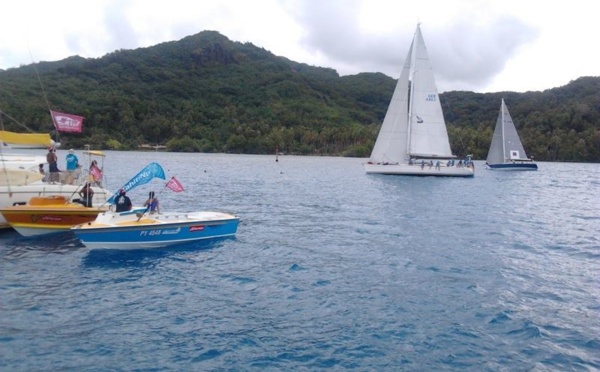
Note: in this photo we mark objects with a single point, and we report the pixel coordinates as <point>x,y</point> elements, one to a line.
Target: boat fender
<point>19,203</point>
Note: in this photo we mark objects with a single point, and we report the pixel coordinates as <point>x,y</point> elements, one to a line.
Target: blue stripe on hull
<point>513,166</point>
<point>154,236</point>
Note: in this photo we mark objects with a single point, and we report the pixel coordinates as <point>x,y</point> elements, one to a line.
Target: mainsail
<point>414,122</point>
<point>427,128</point>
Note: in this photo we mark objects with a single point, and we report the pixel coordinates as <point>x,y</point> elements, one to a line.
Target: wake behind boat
<point>136,230</point>
<point>506,150</point>
<point>414,132</point>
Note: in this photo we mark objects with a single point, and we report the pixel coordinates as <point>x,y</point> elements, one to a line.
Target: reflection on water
<point>117,258</point>
<point>17,246</point>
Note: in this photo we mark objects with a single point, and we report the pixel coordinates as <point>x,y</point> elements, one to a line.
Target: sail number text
<point>430,97</point>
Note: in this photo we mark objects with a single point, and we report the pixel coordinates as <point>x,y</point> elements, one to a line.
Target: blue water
<point>331,269</point>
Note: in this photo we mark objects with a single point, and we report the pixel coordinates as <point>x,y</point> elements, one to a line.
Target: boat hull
<point>132,230</point>
<point>513,167</point>
<point>47,215</point>
<point>417,170</point>
<point>11,196</point>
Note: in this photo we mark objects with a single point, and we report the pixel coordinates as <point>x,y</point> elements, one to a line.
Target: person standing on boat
<point>95,174</point>
<point>152,203</point>
<point>87,195</point>
<point>123,202</point>
<point>72,166</point>
<point>52,160</point>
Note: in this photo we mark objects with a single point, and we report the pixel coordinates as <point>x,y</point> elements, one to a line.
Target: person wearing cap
<point>123,202</point>
<point>72,166</point>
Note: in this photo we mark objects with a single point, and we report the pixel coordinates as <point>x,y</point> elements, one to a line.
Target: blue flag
<point>152,170</point>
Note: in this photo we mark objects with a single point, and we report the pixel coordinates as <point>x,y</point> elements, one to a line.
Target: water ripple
<point>331,269</point>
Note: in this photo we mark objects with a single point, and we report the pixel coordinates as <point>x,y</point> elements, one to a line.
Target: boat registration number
<point>150,232</point>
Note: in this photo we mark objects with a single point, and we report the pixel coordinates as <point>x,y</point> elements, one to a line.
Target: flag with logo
<point>152,170</point>
<point>174,185</point>
<point>67,122</point>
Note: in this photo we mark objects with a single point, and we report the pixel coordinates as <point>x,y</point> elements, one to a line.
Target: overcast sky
<point>475,45</point>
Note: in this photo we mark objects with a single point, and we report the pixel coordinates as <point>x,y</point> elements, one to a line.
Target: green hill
<point>206,93</point>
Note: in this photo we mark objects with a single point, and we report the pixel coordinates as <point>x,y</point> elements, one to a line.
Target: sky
<point>474,45</point>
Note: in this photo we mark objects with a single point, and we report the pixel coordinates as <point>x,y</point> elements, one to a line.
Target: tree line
<point>205,93</point>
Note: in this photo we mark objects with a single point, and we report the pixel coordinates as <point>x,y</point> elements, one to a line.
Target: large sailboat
<point>413,139</point>
<point>506,151</point>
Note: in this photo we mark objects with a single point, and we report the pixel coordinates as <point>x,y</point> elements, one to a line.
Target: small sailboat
<point>506,150</point>
<point>413,139</point>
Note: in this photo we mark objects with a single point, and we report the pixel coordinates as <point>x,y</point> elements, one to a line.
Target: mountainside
<point>208,93</point>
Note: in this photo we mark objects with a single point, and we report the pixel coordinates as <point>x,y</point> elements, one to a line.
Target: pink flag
<point>67,122</point>
<point>174,185</point>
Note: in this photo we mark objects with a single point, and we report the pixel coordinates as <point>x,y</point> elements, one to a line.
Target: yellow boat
<point>48,214</point>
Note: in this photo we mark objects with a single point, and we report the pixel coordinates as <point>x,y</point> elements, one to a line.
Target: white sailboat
<point>506,150</point>
<point>413,139</point>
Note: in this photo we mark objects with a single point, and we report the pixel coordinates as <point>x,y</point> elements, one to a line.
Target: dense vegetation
<point>205,93</point>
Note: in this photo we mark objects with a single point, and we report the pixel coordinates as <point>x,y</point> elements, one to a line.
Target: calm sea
<point>331,269</point>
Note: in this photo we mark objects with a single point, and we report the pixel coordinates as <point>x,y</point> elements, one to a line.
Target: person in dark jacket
<point>123,202</point>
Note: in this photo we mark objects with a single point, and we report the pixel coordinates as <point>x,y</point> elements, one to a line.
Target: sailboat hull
<point>416,170</point>
<point>513,167</point>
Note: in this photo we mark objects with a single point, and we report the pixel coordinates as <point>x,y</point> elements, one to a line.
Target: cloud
<point>469,56</point>
<point>467,52</point>
<point>474,45</point>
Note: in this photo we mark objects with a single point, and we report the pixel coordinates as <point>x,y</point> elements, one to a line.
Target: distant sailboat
<point>506,151</point>
<point>413,139</point>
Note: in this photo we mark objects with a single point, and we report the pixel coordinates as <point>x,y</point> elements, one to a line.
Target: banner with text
<point>67,122</point>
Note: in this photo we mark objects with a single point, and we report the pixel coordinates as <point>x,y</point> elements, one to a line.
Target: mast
<point>410,109</point>
<point>502,128</point>
<point>411,83</point>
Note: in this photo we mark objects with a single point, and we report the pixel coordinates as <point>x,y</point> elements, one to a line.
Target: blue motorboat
<point>136,229</point>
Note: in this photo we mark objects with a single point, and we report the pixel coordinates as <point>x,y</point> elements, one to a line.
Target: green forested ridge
<point>205,93</point>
